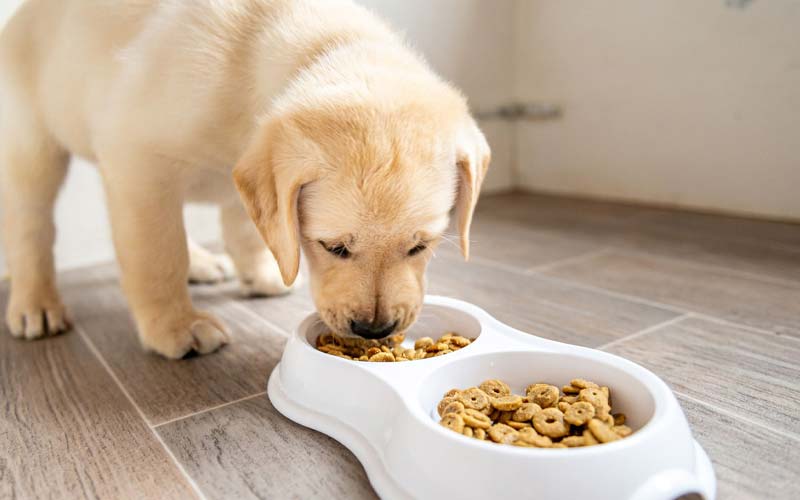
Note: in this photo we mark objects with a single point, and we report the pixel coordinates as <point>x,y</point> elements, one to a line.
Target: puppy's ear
<point>472,160</point>
<point>269,176</point>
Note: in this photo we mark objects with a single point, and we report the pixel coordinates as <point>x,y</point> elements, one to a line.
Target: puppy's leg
<point>257,269</point>
<point>145,203</point>
<point>33,168</point>
<point>208,267</point>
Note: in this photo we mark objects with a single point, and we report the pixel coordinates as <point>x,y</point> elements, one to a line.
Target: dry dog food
<point>543,418</point>
<point>390,348</point>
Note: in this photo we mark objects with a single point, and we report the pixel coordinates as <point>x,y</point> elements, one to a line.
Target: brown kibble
<point>507,403</point>
<point>446,401</point>
<point>582,384</point>
<point>454,422</point>
<point>492,412</point>
<point>423,342</point>
<point>622,430</point>
<point>517,425</point>
<point>452,393</point>
<point>452,407</point>
<point>573,441</point>
<point>495,388</point>
<point>441,346</point>
<point>530,436</point>
<point>525,412</point>
<point>474,398</point>
<point>602,431</point>
<point>568,389</point>
<point>544,395</point>
<point>579,413</point>
<point>550,422</point>
<point>373,351</point>
<point>474,418</point>
<point>382,357</point>
<point>501,433</point>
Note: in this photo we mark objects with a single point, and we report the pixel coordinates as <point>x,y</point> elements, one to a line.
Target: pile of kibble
<point>390,348</point>
<point>543,418</point>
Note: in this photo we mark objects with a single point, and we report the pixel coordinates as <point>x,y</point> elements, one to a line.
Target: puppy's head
<point>366,191</point>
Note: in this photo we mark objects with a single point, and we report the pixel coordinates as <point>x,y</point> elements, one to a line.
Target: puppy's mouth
<point>342,325</point>
<point>372,332</point>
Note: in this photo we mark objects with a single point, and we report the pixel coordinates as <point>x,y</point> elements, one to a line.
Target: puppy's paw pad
<point>210,268</point>
<point>201,335</point>
<point>33,321</point>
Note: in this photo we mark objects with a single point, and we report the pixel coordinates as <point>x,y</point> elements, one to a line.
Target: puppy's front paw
<point>207,267</point>
<point>200,332</point>
<point>266,281</point>
<point>36,314</point>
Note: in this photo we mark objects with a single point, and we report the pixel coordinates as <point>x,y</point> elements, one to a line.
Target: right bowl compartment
<point>660,447</point>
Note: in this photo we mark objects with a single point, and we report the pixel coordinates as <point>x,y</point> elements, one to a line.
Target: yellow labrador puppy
<point>339,139</point>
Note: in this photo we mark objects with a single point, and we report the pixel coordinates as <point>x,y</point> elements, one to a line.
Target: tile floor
<point>710,303</point>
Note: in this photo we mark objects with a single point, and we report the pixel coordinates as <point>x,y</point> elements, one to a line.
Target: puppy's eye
<point>338,250</point>
<point>417,249</point>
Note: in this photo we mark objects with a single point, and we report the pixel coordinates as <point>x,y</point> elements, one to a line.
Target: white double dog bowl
<point>385,413</point>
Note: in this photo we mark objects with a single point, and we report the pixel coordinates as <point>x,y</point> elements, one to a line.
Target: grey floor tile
<point>249,450</point>
<point>519,245</point>
<point>67,430</point>
<point>751,374</point>
<point>749,301</point>
<point>166,389</point>
<point>751,463</point>
<point>543,307</point>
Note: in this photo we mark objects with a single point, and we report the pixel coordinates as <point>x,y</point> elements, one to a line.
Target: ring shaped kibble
<point>581,417</point>
<point>495,388</point>
<point>530,436</point>
<point>445,402</point>
<point>507,403</point>
<point>525,412</point>
<point>476,419</point>
<point>453,407</point>
<point>550,422</point>
<point>544,395</point>
<point>501,433</point>
<point>474,398</point>
<point>454,422</point>
<point>579,413</point>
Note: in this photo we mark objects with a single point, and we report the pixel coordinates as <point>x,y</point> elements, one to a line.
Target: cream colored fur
<point>339,136</point>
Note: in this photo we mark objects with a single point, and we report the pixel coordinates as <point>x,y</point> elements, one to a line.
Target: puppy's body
<point>167,96</point>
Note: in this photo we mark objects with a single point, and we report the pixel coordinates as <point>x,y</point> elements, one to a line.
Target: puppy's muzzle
<point>372,331</point>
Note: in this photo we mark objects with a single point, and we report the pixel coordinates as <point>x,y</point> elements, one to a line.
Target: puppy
<point>339,139</point>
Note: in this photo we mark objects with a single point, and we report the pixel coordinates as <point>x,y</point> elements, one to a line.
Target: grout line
<point>733,324</point>
<point>205,410</point>
<point>611,293</point>
<point>566,261</point>
<point>181,469</point>
<point>623,296</point>
<point>647,330</point>
<point>701,265</point>
<point>736,416</point>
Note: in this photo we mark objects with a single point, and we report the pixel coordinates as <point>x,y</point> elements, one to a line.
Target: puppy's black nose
<point>370,331</point>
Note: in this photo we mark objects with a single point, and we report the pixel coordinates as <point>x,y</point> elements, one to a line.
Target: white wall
<point>468,41</point>
<point>690,103</point>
